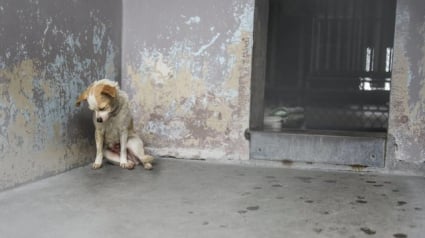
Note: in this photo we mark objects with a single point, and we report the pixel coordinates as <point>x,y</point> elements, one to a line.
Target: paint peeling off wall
<point>188,75</point>
<point>406,150</point>
<point>51,50</point>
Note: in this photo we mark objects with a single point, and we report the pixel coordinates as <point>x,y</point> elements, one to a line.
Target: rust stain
<point>20,78</point>
<point>39,78</point>
<point>406,123</point>
<point>358,167</point>
<point>176,105</point>
<point>33,138</point>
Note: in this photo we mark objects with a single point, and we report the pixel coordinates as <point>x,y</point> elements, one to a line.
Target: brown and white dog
<point>116,139</point>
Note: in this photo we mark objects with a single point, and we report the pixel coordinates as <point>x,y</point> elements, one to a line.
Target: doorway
<point>321,80</point>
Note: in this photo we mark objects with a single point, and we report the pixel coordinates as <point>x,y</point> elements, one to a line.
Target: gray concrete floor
<point>202,199</point>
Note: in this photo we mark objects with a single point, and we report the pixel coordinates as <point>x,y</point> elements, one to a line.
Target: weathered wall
<point>49,51</point>
<point>406,141</point>
<point>187,66</point>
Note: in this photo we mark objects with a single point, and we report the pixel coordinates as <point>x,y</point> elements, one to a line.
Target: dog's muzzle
<point>99,119</point>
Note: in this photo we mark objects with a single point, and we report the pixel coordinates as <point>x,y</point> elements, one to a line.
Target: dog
<point>115,137</point>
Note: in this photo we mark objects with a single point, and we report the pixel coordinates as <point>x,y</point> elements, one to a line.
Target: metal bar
<point>328,35</point>
<point>378,31</point>
<point>313,40</point>
<point>301,60</point>
<point>319,43</point>
<point>259,59</point>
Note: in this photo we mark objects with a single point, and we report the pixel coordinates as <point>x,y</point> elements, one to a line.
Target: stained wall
<point>49,51</point>
<point>187,66</point>
<point>406,140</point>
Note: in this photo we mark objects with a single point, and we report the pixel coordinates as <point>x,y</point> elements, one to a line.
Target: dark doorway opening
<point>329,64</point>
<point>322,67</point>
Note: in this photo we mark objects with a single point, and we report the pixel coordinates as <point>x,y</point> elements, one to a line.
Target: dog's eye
<point>102,109</point>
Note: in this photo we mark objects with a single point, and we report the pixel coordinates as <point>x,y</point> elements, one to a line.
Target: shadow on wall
<point>50,51</point>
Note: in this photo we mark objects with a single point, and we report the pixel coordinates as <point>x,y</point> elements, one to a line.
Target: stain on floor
<point>368,231</point>
<point>253,208</point>
<point>187,198</point>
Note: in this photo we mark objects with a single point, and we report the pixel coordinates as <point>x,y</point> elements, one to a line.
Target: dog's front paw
<point>96,165</point>
<point>128,164</point>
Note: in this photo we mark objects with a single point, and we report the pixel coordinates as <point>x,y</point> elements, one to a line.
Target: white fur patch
<point>91,100</point>
<point>102,114</point>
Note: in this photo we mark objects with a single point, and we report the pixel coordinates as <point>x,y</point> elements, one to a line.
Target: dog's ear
<point>83,96</point>
<point>109,90</point>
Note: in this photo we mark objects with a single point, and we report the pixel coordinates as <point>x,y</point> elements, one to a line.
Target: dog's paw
<point>147,166</point>
<point>96,165</point>
<point>128,165</point>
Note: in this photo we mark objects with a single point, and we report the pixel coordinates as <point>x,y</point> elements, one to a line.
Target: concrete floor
<point>201,199</point>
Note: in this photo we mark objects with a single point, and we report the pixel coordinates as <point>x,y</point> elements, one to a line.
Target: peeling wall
<point>50,51</point>
<point>187,66</point>
<point>406,140</point>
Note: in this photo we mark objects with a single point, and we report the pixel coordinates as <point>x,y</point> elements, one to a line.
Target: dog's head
<point>100,96</point>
